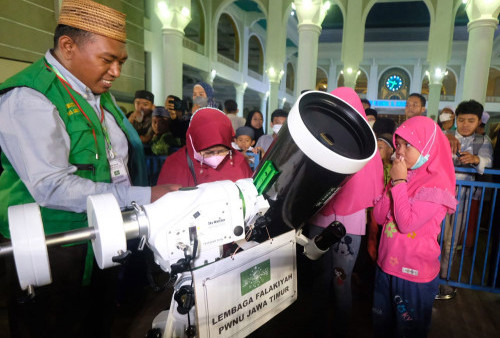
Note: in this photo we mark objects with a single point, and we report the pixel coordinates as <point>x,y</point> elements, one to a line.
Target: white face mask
<point>140,117</point>
<point>371,123</point>
<point>276,128</point>
<point>200,101</point>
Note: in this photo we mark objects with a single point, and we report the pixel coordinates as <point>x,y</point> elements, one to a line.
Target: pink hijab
<point>435,180</point>
<point>367,184</point>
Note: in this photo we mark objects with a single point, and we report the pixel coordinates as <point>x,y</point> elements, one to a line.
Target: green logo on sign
<point>255,276</point>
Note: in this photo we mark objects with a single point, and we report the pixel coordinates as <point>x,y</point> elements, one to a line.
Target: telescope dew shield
<point>323,143</point>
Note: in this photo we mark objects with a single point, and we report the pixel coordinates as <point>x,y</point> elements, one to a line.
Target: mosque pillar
<point>416,82</point>
<point>275,52</point>
<point>353,37</point>
<point>460,84</point>
<point>372,90</point>
<point>332,76</point>
<point>263,107</point>
<point>274,87</point>
<point>172,56</point>
<point>310,14</point>
<point>240,94</point>
<point>308,57</point>
<point>435,85</point>
<point>439,49</point>
<point>477,64</point>
<point>174,18</point>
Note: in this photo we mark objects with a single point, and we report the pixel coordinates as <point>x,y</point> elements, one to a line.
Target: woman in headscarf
<point>348,206</point>
<point>255,120</point>
<point>207,155</point>
<point>203,96</point>
<point>415,202</point>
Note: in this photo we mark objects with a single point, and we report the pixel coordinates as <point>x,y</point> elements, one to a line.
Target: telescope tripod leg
<point>180,319</point>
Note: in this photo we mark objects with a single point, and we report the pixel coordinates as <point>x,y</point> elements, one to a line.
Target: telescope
<point>324,142</point>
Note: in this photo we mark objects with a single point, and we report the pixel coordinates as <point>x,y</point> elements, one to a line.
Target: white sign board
<point>237,295</point>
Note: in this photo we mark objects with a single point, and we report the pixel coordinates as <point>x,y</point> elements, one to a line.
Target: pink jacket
<point>408,245</point>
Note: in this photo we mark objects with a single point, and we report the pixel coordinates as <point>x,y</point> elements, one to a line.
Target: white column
<point>275,52</point>
<point>353,36</point>
<point>310,15</point>
<point>172,58</point>
<point>478,60</point>
<point>332,76</point>
<point>439,50</point>
<point>273,98</point>
<point>435,85</point>
<point>174,18</point>
<point>244,57</point>
<point>240,94</point>
<point>372,90</point>
<point>263,108</point>
<point>460,85</point>
<point>416,82</point>
<point>308,57</point>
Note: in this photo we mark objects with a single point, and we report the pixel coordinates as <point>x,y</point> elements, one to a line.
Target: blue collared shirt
<point>34,139</point>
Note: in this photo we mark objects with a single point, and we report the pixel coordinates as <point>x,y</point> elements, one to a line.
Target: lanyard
<point>106,135</point>
<point>103,127</point>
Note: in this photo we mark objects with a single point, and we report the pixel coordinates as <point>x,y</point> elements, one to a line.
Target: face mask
<point>422,159</point>
<point>276,128</point>
<point>140,117</point>
<point>200,101</point>
<point>420,162</point>
<point>371,123</point>
<point>214,161</point>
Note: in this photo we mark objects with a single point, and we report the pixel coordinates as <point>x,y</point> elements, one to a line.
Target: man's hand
<point>171,110</point>
<point>454,143</point>
<point>159,190</point>
<point>468,158</point>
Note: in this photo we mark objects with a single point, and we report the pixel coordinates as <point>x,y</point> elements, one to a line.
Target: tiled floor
<point>470,314</point>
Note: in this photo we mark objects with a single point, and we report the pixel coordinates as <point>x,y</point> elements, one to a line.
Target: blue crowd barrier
<point>154,164</point>
<point>469,239</point>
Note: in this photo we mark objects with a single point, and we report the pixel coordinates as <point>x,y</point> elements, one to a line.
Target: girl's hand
<point>398,170</point>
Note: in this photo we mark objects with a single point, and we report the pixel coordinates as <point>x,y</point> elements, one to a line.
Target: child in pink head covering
<point>348,206</point>
<point>411,210</point>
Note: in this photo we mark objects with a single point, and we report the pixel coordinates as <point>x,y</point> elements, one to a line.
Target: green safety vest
<point>82,149</point>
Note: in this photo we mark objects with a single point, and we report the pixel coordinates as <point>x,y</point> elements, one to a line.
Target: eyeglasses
<point>210,153</point>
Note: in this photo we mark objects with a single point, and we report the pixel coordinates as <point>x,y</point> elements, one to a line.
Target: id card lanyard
<point>66,85</point>
<point>118,169</point>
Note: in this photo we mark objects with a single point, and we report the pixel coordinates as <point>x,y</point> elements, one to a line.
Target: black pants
<point>64,308</point>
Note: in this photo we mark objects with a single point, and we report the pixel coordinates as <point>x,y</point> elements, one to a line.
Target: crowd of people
<point>63,138</point>
<point>163,130</point>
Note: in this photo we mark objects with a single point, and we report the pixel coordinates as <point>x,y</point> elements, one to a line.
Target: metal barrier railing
<point>469,239</point>
<point>154,164</point>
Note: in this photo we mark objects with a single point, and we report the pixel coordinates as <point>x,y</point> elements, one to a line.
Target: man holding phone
<point>180,123</point>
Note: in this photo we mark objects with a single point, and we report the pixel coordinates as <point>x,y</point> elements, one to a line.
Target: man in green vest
<point>63,138</point>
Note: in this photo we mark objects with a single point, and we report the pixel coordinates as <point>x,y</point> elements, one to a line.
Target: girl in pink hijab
<point>421,192</point>
<point>348,206</point>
